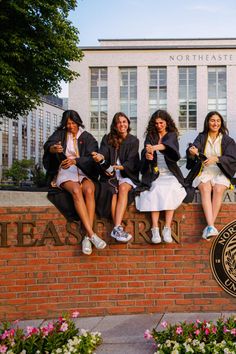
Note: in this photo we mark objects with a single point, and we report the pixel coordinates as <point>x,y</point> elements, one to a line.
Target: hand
<point>56,148</point>
<point>97,157</point>
<point>193,150</point>
<point>118,167</point>
<point>150,148</point>
<point>68,163</point>
<point>149,156</point>
<point>211,161</point>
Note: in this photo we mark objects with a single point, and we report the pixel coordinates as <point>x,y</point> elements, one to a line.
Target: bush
<point>196,337</point>
<point>56,337</point>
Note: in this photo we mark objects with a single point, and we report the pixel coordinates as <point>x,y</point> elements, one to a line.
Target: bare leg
<point>169,217</point>
<point>218,191</point>
<point>155,218</point>
<point>122,202</point>
<point>88,192</point>
<point>113,206</point>
<point>75,189</point>
<point>205,190</point>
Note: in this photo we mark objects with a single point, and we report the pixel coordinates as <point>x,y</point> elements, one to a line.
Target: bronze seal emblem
<point>223,258</point>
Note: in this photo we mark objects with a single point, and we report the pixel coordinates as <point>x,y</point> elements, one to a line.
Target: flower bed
<point>196,337</point>
<point>54,337</point>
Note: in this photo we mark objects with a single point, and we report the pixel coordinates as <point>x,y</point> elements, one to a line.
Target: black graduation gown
<point>129,158</point>
<point>59,197</point>
<point>227,161</point>
<point>171,156</point>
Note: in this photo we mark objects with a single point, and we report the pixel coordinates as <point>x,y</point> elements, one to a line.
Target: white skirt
<point>69,174</point>
<point>214,175</point>
<point>166,193</point>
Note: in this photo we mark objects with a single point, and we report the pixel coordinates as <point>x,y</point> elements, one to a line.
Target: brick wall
<point>44,273</point>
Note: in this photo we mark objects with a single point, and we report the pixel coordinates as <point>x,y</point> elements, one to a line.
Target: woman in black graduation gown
<point>119,150</point>
<point>161,175</point>
<point>213,158</point>
<point>67,159</point>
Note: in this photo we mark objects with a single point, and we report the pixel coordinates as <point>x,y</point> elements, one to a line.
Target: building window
<point>128,95</point>
<point>48,124</point>
<point>98,101</point>
<point>187,98</point>
<point>217,95</point>
<point>24,137</point>
<point>157,89</point>
<point>14,139</point>
<point>54,122</point>
<point>40,136</point>
<point>5,138</point>
<point>33,135</point>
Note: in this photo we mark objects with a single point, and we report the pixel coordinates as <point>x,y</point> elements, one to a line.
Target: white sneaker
<point>166,233</point>
<point>120,235</point>
<point>98,242</point>
<point>210,231</point>
<point>156,238</point>
<point>86,246</point>
<point>204,232</point>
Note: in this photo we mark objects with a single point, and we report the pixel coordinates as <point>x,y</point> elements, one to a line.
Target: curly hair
<point>73,115</point>
<point>164,115</point>
<point>223,129</point>
<point>114,137</point>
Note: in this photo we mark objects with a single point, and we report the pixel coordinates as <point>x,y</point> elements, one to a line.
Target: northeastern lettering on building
<point>223,258</point>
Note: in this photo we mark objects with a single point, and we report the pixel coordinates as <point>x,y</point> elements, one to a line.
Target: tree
<point>19,171</point>
<point>37,43</point>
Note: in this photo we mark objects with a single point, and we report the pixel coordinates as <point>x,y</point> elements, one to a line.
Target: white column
<point>142,102</point>
<point>10,158</point>
<point>20,138</point>
<point>231,97</point>
<point>29,117</point>
<point>113,97</point>
<point>202,96</point>
<point>37,137</point>
<point>173,92</point>
<point>79,92</point>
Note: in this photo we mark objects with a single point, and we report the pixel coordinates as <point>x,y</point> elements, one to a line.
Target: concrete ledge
<point>22,198</point>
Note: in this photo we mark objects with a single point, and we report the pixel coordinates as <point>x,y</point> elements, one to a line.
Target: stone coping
<point>23,198</point>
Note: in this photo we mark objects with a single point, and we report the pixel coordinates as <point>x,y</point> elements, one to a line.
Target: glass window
<point>40,136</point>
<point>217,95</point>
<point>187,98</point>
<point>98,102</point>
<point>128,95</point>
<point>157,89</point>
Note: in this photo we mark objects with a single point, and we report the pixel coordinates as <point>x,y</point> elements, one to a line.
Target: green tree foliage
<point>37,43</point>
<point>19,171</point>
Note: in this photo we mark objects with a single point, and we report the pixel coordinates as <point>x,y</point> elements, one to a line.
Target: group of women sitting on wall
<point>85,178</point>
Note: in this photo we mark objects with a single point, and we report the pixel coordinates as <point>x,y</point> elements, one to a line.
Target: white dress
<point>166,193</point>
<point>73,173</point>
<point>212,172</point>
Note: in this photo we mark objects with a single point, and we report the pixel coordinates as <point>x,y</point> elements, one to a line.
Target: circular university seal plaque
<point>223,258</point>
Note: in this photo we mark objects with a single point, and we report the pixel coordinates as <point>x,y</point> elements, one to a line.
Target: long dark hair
<point>114,137</point>
<point>164,115</point>
<point>73,115</point>
<point>222,129</point>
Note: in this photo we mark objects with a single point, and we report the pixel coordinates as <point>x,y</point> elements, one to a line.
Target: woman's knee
<point>219,189</point>
<point>124,188</point>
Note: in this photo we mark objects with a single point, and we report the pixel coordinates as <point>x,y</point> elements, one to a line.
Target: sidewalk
<point>124,334</point>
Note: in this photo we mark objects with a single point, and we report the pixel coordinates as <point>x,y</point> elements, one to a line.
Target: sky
<point>100,19</point>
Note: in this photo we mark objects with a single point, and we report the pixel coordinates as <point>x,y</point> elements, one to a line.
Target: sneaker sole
<point>156,242</point>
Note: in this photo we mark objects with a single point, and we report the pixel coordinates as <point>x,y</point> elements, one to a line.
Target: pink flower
<point>5,334</point>
<point>147,334</point>
<point>3,348</point>
<point>225,330</point>
<point>31,330</point>
<point>47,329</point>
<point>207,331</point>
<point>197,332</point>
<point>64,327</point>
<point>164,324</point>
<point>198,321</point>
<point>179,330</point>
<point>75,314</point>
<point>214,330</point>
<point>233,331</point>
